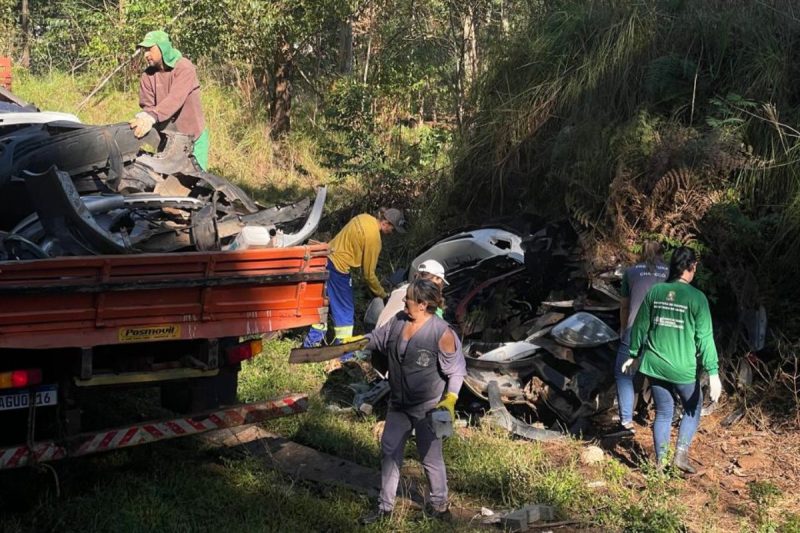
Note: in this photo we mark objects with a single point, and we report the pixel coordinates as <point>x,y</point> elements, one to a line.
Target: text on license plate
<point>45,395</point>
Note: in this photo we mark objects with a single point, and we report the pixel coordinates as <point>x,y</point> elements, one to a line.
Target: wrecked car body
<point>74,189</point>
<point>470,246</point>
<point>555,359</point>
<point>539,333</point>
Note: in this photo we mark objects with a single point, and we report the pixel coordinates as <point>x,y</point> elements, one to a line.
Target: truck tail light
<point>20,378</point>
<point>243,351</point>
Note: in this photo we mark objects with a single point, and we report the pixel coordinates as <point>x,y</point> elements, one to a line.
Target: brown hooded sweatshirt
<point>173,95</point>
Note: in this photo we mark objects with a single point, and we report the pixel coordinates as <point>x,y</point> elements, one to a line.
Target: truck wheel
<point>226,384</point>
<point>201,394</point>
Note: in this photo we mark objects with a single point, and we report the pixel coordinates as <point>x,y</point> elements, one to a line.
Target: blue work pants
<point>340,299</point>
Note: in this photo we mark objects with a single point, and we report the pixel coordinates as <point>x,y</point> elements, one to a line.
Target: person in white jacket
<point>430,269</point>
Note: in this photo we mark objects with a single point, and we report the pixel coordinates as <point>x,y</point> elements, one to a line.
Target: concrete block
<point>539,513</point>
<point>515,521</point>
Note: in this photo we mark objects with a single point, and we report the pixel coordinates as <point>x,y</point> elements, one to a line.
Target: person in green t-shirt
<point>672,328</point>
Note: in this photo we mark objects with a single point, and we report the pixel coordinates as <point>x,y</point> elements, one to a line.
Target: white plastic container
<point>441,423</point>
<point>253,237</point>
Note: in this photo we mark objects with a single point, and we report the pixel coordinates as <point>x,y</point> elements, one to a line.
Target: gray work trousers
<point>395,434</point>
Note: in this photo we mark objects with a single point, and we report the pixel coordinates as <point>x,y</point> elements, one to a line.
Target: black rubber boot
<point>682,461</point>
<point>622,431</point>
<point>442,513</point>
<point>374,516</point>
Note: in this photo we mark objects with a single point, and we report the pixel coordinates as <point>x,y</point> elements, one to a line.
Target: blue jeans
<point>625,392</point>
<point>691,396</point>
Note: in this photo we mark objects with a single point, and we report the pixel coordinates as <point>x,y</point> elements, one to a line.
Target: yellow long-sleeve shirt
<point>358,245</point>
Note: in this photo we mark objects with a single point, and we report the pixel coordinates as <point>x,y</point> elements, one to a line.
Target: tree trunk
<point>464,33</point>
<point>25,59</point>
<point>317,73</point>
<point>346,46</point>
<point>281,104</point>
<point>434,105</point>
<point>366,59</point>
<point>470,46</point>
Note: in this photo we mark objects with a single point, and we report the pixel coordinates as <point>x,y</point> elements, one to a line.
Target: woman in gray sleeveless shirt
<point>426,370</point>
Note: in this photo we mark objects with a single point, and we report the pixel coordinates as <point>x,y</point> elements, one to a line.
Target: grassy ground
<point>485,467</point>
<point>184,485</point>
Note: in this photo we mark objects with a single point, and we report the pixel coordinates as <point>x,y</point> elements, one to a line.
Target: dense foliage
<point>670,118</point>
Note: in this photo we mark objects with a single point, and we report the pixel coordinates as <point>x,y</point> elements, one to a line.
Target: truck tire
<point>201,394</point>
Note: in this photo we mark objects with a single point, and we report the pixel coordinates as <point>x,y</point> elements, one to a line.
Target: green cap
<point>155,37</point>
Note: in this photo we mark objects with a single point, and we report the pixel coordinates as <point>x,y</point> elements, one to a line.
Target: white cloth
<point>393,305</point>
<point>627,366</point>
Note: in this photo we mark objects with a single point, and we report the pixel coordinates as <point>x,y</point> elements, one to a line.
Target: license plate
<point>45,395</point>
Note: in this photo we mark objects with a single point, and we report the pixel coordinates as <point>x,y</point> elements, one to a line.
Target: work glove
<point>141,124</point>
<point>449,403</point>
<point>352,338</point>
<point>714,387</point>
<point>627,366</point>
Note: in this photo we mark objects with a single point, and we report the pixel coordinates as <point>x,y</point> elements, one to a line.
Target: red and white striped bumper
<point>147,432</point>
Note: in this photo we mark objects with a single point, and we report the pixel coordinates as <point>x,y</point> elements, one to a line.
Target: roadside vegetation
<point>671,119</point>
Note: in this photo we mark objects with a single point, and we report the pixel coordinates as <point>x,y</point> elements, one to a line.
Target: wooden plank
<point>309,464</point>
<point>297,460</point>
<point>325,353</point>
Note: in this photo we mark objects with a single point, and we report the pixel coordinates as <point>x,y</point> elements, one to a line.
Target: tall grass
<point>576,73</point>
<point>661,117</point>
<point>550,75</point>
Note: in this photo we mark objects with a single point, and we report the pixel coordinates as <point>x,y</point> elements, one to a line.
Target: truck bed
<point>101,300</point>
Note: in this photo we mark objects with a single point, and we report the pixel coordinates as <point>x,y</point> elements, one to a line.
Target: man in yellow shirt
<point>357,245</point>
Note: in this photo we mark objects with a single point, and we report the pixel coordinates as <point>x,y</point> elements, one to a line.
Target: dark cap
<point>395,218</point>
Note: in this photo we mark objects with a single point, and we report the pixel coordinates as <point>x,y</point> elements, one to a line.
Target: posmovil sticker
<point>149,333</point>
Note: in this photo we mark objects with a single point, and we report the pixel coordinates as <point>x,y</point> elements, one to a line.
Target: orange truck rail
<point>102,300</point>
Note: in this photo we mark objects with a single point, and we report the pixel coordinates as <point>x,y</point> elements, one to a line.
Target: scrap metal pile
<point>535,324</point>
<point>73,189</point>
<point>539,331</point>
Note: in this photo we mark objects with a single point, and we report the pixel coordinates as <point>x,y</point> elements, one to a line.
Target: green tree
<point>268,40</point>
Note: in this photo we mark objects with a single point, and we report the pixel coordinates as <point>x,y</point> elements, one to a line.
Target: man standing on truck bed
<point>169,93</point>
<point>357,245</point>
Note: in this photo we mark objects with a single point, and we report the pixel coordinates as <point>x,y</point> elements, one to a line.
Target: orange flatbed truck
<point>182,322</point>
